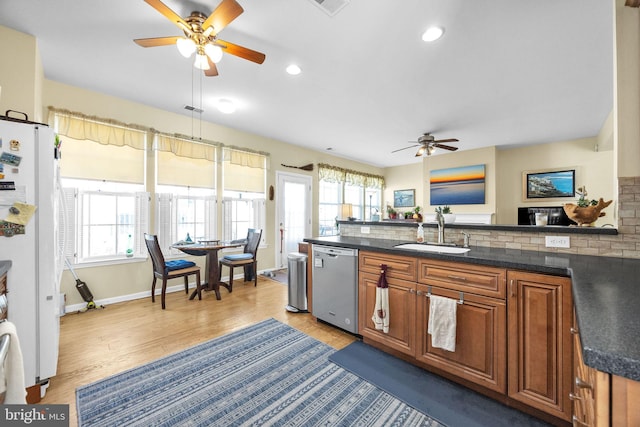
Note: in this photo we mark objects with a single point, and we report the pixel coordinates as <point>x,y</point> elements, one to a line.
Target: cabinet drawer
<point>480,280</point>
<point>399,267</point>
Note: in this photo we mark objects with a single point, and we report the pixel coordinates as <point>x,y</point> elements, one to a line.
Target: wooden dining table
<point>210,250</point>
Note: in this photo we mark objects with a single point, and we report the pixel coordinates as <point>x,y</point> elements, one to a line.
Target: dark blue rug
<point>444,400</point>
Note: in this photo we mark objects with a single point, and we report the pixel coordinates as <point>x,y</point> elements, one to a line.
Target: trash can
<point>297,278</point>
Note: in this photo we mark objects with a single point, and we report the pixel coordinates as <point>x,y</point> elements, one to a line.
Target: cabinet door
<point>402,309</point>
<point>480,354</point>
<point>540,347</point>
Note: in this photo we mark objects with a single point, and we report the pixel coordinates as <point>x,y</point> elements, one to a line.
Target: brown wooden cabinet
<point>401,276</point>
<point>480,354</point>
<point>402,309</point>
<point>591,389</point>
<point>539,341</point>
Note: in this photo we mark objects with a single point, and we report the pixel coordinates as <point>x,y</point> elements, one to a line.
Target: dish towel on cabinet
<point>381,311</point>
<point>12,373</point>
<point>442,322</point>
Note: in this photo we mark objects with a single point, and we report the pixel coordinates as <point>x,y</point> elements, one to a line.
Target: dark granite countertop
<point>4,266</point>
<point>606,294</point>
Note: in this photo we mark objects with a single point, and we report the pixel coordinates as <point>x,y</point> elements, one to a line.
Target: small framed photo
<point>548,184</point>
<point>404,198</point>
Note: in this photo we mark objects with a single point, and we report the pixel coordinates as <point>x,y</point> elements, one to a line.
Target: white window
<point>102,169</point>
<point>244,183</point>
<point>104,220</point>
<point>185,191</point>
<point>330,199</point>
<point>341,186</point>
<point>182,216</point>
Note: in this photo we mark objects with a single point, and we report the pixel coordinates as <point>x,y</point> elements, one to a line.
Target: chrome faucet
<point>440,220</point>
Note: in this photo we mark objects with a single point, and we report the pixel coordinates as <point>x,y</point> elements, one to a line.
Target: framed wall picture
<point>458,186</point>
<point>404,198</point>
<point>548,184</point>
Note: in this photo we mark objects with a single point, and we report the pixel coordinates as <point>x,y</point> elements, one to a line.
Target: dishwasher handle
<point>334,252</point>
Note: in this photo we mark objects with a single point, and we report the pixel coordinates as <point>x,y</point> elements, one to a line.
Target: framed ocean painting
<point>549,184</point>
<point>404,198</point>
<point>458,186</point>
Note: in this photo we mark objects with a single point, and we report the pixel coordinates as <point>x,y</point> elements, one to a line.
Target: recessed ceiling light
<point>294,70</point>
<point>226,106</point>
<point>432,34</point>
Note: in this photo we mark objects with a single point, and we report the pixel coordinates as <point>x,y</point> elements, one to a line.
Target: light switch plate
<point>365,230</point>
<point>557,241</point>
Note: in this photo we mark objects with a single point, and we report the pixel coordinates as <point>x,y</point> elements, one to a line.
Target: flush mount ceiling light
<point>201,35</point>
<point>432,34</point>
<point>226,106</point>
<point>294,70</point>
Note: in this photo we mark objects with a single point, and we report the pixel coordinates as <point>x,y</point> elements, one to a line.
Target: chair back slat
<point>253,241</point>
<point>157,258</point>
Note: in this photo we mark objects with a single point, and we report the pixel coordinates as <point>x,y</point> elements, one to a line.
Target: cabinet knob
<point>419,292</point>
<point>573,397</point>
<point>411,291</point>
<point>580,383</point>
<point>574,331</point>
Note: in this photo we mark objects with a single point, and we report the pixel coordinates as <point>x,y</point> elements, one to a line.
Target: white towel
<point>381,311</point>
<point>442,322</point>
<point>12,373</point>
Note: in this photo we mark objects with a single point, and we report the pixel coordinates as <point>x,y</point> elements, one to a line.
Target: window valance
<point>241,157</point>
<point>185,147</point>
<point>104,131</point>
<point>336,174</point>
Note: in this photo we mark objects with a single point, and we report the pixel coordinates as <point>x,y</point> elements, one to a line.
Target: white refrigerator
<point>28,162</point>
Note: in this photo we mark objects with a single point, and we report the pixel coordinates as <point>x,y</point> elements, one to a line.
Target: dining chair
<point>166,270</point>
<point>247,259</point>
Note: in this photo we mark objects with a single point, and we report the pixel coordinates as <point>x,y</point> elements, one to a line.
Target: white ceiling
<point>506,72</point>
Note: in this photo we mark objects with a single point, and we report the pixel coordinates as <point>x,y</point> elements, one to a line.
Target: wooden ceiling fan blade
<point>446,147</point>
<point>169,14</point>
<point>213,70</point>
<point>241,52</point>
<point>400,149</point>
<point>447,140</point>
<point>157,41</point>
<point>226,12</point>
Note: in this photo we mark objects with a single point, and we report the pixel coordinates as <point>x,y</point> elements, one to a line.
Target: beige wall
<point>20,74</point>
<point>594,169</point>
<point>404,177</point>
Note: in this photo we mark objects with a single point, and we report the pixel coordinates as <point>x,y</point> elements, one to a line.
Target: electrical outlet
<point>557,241</point>
<point>365,230</point>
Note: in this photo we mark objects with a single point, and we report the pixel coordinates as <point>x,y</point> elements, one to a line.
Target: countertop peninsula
<point>606,294</point>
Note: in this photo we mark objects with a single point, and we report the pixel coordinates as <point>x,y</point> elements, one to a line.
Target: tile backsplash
<point>625,244</point>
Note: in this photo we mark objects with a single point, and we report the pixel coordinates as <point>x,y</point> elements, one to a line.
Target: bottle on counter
<point>420,236</point>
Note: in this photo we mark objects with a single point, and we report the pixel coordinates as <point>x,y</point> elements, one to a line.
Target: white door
<point>293,215</point>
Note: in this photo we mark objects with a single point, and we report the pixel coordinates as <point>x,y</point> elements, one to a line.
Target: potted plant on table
<point>448,215</point>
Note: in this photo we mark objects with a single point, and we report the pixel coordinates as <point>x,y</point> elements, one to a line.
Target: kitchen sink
<point>432,248</point>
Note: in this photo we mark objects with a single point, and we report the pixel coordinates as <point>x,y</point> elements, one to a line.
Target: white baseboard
<point>138,295</point>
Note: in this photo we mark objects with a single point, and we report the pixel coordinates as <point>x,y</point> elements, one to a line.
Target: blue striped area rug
<point>268,374</point>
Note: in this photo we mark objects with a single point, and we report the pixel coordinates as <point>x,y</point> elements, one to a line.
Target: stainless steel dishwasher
<point>335,286</point>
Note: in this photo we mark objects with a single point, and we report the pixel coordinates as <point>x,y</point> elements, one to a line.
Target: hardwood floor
<point>100,343</point>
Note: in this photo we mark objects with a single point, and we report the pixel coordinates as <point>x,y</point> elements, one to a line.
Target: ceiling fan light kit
<point>428,145</point>
<point>201,36</point>
<point>432,34</point>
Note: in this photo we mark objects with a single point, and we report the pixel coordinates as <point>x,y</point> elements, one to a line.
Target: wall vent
<point>330,7</point>
<point>194,109</point>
